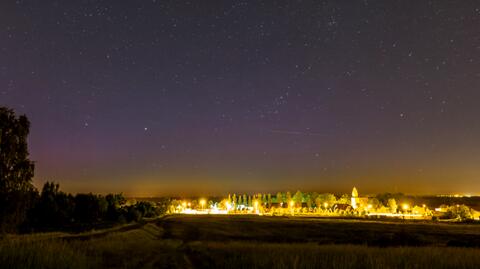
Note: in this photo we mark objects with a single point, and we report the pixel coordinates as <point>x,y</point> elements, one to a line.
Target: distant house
<point>342,207</point>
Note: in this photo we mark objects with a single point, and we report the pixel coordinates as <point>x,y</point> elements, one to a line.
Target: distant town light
<point>202,202</point>
<point>255,205</point>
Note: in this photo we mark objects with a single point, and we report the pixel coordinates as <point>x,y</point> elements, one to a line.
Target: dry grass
<point>254,255</point>
<point>222,242</point>
<point>32,253</point>
<point>322,231</point>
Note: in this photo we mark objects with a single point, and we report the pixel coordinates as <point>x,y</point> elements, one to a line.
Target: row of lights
<point>291,203</point>
<point>202,203</point>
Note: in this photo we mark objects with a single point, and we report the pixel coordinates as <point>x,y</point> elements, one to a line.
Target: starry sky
<point>208,97</point>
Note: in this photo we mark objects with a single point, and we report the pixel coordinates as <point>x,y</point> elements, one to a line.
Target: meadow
<point>213,241</point>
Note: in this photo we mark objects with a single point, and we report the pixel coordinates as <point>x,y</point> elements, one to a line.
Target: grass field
<point>182,241</point>
<point>319,230</point>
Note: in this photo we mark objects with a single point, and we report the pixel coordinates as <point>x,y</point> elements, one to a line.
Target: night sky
<point>209,97</point>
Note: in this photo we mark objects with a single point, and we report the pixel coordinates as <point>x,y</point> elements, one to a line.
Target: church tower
<point>354,198</point>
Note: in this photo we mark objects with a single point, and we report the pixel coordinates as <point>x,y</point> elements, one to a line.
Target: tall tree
<point>297,198</point>
<point>288,197</point>
<point>392,204</point>
<point>328,198</point>
<point>16,170</point>
<point>279,197</point>
<point>309,201</point>
<point>54,208</point>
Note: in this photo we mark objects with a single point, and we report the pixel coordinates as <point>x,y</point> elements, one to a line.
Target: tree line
<point>298,199</point>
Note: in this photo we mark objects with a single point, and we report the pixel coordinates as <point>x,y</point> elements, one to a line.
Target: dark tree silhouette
<point>89,208</point>
<point>114,202</point>
<point>16,170</point>
<point>54,208</point>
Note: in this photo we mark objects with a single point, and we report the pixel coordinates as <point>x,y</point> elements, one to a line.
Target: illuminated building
<point>354,198</point>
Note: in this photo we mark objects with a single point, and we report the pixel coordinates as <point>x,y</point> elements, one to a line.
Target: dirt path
<point>103,233</point>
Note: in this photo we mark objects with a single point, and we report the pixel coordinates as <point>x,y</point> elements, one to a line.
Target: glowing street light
<point>292,209</point>
<point>255,205</point>
<point>325,204</point>
<point>202,203</point>
<point>405,206</point>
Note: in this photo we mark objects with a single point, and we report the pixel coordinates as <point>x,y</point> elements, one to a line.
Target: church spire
<point>354,198</point>
<point>354,192</point>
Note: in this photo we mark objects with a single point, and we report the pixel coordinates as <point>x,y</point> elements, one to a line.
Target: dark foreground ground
<point>251,242</point>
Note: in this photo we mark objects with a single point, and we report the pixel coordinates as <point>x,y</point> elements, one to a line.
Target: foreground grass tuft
<point>29,253</point>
